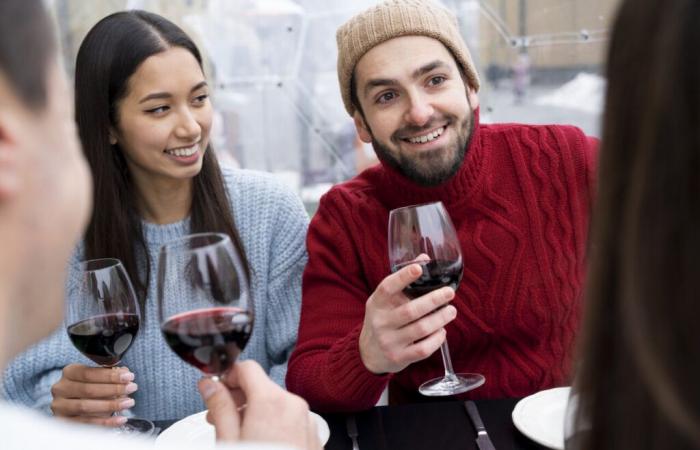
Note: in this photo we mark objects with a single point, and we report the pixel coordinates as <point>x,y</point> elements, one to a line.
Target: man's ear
<point>473,97</point>
<point>361,127</point>
<point>9,167</point>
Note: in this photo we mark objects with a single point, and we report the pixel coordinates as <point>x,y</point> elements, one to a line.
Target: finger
<point>73,389</point>
<point>396,282</point>
<point>420,307</point>
<point>239,399</point>
<point>109,421</point>
<point>424,348</point>
<point>90,407</point>
<point>222,410</point>
<point>421,258</point>
<point>81,373</point>
<point>250,378</point>
<point>428,324</point>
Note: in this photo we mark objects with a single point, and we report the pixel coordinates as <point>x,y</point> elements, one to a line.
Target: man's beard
<point>429,168</point>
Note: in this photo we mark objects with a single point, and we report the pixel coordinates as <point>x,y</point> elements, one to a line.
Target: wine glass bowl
<point>104,339</point>
<point>103,319</point>
<point>425,235</point>
<point>204,304</point>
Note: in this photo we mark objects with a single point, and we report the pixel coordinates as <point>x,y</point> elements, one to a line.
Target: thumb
<point>222,410</point>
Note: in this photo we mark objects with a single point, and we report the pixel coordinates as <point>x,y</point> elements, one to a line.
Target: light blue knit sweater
<point>272,224</point>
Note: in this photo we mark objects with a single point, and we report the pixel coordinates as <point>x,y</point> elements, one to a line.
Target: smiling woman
<point>144,117</point>
<point>162,128</point>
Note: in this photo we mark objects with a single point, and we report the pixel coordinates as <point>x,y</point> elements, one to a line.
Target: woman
<point>144,117</point>
<point>640,362</point>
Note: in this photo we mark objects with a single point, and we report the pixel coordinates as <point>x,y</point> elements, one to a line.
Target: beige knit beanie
<point>394,18</point>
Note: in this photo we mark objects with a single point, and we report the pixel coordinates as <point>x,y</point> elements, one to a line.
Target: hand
<point>248,406</point>
<point>397,331</point>
<point>92,394</point>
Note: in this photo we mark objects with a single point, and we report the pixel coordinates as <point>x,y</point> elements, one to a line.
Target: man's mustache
<point>411,130</point>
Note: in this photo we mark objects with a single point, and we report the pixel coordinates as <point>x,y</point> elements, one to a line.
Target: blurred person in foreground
<point>45,199</point>
<point>519,196</point>
<point>637,382</point>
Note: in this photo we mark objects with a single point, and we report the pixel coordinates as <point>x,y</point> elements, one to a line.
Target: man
<point>518,195</point>
<point>45,200</point>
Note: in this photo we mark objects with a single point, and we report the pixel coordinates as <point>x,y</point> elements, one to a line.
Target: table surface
<point>439,425</point>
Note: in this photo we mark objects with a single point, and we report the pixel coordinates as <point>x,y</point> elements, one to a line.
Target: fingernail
<point>120,420</point>
<point>207,388</point>
<point>126,404</point>
<point>130,388</point>
<point>126,377</point>
<point>448,293</point>
<point>452,311</point>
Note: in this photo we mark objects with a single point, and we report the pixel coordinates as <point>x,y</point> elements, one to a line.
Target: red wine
<point>209,339</point>
<point>104,339</point>
<point>436,274</point>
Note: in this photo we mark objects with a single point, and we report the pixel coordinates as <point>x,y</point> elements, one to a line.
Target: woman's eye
<point>386,97</point>
<point>158,110</point>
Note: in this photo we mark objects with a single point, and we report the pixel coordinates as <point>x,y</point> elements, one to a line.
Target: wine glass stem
<point>447,361</point>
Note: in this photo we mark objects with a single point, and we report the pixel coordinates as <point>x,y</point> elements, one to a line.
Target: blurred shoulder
<point>20,427</point>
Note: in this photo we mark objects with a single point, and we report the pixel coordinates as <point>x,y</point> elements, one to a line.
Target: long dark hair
<point>639,378</point>
<point>111,52</point>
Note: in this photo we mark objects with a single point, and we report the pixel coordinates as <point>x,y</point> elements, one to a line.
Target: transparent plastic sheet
<point>272,64</point>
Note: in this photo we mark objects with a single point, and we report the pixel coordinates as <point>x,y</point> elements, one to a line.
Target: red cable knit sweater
<point>520,203</point>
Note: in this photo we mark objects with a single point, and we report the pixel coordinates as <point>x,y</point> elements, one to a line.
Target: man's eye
<point>201,98</point>
<point>437,80</point>
<point>386,97</point>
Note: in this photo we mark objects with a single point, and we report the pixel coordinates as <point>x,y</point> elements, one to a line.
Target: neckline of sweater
<point>157,234</point>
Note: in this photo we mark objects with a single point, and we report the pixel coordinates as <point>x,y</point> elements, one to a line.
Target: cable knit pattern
<point>520,203</point>
<point>272,224</point>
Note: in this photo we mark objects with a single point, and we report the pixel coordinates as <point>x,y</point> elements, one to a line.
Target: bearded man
<point>519,197</point>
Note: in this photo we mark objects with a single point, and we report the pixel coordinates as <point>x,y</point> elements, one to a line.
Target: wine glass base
<point>451,385</point>
<point>137,426</point>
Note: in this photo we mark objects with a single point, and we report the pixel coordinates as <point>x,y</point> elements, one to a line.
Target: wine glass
<point>424,234</point>
<point>103,318</point>
<point>204,304</point>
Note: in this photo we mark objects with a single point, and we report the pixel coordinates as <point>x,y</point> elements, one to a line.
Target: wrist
<point>372,366</point>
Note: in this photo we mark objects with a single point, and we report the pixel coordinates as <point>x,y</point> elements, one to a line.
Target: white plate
<point>541,416</point>
<point>195,429</point>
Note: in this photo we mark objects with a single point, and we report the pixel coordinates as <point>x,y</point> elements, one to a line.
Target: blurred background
<point>272,65</point>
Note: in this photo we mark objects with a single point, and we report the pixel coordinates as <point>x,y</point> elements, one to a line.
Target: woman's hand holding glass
<point>102,320</point>
<point>92,394</point>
